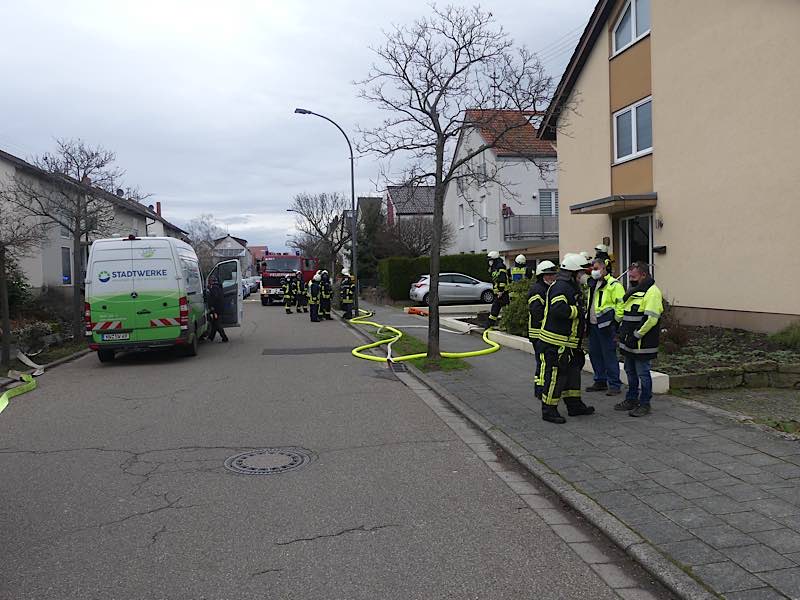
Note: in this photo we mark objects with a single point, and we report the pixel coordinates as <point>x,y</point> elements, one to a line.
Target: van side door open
<point>230,276</point>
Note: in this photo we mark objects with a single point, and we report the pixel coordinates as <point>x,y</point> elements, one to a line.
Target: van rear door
<point>230,276</point>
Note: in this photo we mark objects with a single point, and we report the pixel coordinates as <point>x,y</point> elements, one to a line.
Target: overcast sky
<point>197,98</point>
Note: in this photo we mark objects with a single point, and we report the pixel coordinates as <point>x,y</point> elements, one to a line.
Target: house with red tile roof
<point>507,197</point>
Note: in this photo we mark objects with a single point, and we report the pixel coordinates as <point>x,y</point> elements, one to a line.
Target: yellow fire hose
<point>30,384</point>
<point>359,352</point>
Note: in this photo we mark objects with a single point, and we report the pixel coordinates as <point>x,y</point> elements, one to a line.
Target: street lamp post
<point>354,223</point>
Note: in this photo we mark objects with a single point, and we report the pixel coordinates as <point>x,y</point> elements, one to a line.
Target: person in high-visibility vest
<point>346,292</point>
<point>605,307</point>
<point>521,270</point>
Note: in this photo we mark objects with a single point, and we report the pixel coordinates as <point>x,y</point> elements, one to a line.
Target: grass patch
<point>410,345</point>
<point>788,337</point>
<point>786,426</point>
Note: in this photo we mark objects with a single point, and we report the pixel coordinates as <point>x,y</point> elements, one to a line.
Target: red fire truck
<point>275,266</point>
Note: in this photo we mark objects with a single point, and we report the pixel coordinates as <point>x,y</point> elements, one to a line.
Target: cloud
<point>197,97</point>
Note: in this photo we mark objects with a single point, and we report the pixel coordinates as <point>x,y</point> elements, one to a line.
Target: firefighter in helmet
<point>546,273</point>
<point>346,291</point>
<point>500,280</point>
<point>287,283</point>
<point>326,293</point>
<point>301,293</point>
<point>561,337</point>
<point>314,290</point>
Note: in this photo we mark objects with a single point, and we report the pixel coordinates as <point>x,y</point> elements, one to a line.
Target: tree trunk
<point>5,356</point>
<point>77,280</point>
<point>434,352</point>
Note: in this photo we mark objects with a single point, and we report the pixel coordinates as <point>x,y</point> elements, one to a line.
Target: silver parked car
<point>453,287</point>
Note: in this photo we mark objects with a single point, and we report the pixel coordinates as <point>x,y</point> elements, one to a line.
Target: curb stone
<point>65,359</point>
<point>672,576</point>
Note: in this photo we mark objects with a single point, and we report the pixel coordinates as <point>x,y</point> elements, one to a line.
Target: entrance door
<point>635,242</point>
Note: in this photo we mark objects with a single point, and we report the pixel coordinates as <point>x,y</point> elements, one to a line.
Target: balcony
<point>530,227</point>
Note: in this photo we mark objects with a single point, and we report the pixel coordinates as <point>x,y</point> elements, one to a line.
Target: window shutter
<point>545,203</point>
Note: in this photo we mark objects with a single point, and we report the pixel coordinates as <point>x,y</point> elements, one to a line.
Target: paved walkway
<point>719,498</point>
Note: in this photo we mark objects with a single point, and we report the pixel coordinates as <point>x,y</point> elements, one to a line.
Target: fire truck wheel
<point>264,302</point>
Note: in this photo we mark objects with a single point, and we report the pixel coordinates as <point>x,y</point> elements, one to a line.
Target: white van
<point>148,293</point>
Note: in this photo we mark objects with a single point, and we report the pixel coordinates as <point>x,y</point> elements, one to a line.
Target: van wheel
<point>105,356</point>
<point>192,348</point>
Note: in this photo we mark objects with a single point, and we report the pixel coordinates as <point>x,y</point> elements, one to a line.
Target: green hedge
<point>514,318</point>
<point>396,274</point>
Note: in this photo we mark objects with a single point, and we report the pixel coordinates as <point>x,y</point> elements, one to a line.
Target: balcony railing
<point>530,227</point>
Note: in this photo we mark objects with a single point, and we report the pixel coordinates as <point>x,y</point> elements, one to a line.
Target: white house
<point>50,265</point>
<point>233,247</point>
<point>518,215</point>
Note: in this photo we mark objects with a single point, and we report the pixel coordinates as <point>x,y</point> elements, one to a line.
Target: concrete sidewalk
<point>719,498</point>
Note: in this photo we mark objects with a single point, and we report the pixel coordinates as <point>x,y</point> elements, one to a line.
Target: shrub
<point>19,293</point>
<point>396,274</point>
<point>788,338</point>
<point>514,318</point>
<point>675,334</point>
<point>30,337</point>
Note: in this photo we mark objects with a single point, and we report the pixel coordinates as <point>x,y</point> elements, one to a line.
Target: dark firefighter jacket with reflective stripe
<point>639,331</point>
<point>499,280</point>
<point>288,288</point>
<point>519,273</point>
<point>607,300</point>
<point>300,286</point>
<point>313,292</point>
<point>346,290</point>
<point>536,298</point>
<point>562,324</point>
<point>326,290</point>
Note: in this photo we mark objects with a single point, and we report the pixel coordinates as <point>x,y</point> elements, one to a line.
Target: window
<point>66,266</point>
<point>633,24</point>
<point>548,203</point>
<point>463,279</point>
<point>633,131</point>
<point>445,279</point>
<point>471,216</point>
<point>483,222</point>
<point>461,216</point>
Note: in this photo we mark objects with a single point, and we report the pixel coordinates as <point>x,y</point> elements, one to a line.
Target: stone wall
<point>755,375</point>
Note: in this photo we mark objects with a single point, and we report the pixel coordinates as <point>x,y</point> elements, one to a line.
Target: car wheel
<point>487,297</point>
<point>192,347</point>
<point>264,302</point>
<point>425,299</point>
<point>105,355</point>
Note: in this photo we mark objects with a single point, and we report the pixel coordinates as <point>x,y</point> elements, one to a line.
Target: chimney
<point>158,208</point>
<point>120,192</point>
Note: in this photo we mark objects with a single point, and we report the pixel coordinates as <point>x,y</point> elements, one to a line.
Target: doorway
<point>635,242</point>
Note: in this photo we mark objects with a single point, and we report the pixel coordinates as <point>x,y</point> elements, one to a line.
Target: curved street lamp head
<point>302,111</point>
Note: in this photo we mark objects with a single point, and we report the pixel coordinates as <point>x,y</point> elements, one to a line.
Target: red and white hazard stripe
<point>164,322</point>
<point>106,325</point>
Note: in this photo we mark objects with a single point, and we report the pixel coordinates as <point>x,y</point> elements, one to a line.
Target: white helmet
<point>546,267</point>
<point>323,272</point>
<point>493,255</point>
<point>573,262</point>
<point>601,248</point>
<point>520,260</point>
<point>586,255</point>
<point>346,272</point>
<point>317,277</point>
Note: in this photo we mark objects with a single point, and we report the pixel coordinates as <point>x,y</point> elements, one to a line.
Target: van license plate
<point>107,337</point>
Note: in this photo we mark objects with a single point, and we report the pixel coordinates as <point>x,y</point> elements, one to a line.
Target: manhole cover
<point>268,461</point>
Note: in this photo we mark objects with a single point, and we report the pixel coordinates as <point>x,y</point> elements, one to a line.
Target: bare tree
<point>414,236</point>
<point>321,223</point>
<point>202,231</point>
<point>452,70</point>
<point>65,194</point>
<point>18,235</point>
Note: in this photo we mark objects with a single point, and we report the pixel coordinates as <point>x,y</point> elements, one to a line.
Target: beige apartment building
<point>678,131</point>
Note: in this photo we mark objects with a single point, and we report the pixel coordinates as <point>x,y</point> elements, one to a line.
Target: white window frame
<point>461,216</point>
<point>634,37</point>
<point>636,153</point>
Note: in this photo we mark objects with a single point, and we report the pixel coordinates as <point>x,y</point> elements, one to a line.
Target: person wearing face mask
<point>605,306</point>
<point>561,336</point>
<point>638,337</point>
<point>500,280</point>
<point>521,270</point>
<point>601,252</point>
<point>545,276</point>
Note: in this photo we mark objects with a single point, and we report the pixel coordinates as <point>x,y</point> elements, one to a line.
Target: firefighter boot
<point>550,413</point>
<point>576,407</point>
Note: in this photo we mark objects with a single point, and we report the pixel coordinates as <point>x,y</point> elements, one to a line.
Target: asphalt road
<point>113,484</point>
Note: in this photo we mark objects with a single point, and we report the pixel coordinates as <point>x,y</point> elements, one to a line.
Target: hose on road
<point>359,352</point>
<point>28,385</point>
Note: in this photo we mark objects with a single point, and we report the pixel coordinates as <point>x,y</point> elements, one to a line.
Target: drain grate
<point>398,367</point>
<point>269,461</point>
